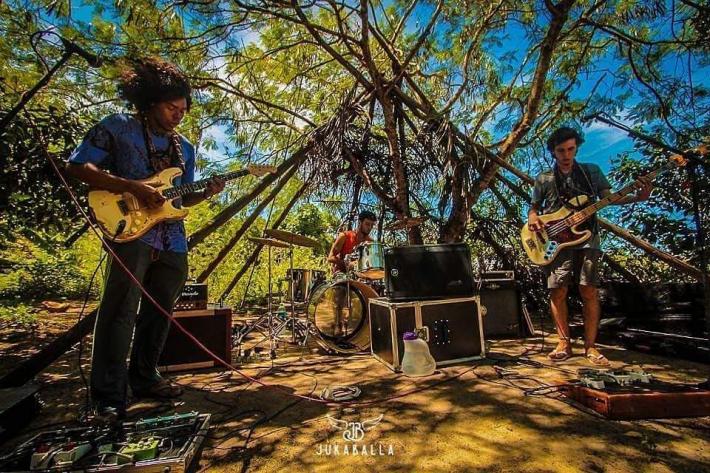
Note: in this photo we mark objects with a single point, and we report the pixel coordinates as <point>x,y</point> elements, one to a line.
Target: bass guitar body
<point>122,217</point>
<point>543,247</point>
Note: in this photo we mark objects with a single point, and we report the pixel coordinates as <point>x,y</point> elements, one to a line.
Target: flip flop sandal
<point>597,359</point>
<point>560,355</point>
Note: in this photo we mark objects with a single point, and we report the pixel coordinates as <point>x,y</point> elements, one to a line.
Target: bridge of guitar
<point>550,249</point>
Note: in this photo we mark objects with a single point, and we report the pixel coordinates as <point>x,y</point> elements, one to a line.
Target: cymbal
<point>268,242</point>
<point>405,223</point>
<point>293,238</point>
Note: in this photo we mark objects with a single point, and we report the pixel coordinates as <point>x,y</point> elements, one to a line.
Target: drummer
<point>345,244</point>
<point>347,241</point>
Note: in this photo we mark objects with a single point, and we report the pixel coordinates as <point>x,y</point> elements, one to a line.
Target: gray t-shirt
<point>546,196</point>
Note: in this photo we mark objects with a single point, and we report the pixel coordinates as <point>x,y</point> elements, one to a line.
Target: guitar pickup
<point>123,207</point>
<point>540,237</point>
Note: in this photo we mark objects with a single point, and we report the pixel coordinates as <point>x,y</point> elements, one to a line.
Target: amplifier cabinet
<point>212,327</point>
<point>455,332</point>
<point>504,314</point>
<point>419,272</point>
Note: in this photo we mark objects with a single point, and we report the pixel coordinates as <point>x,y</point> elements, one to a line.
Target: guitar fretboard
<point>590,210</point>
<point>185,189</point>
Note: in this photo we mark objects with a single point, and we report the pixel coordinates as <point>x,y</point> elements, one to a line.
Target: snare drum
<point>370,260</point>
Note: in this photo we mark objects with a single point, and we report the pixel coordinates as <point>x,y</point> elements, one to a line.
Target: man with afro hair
<point>115,155</point>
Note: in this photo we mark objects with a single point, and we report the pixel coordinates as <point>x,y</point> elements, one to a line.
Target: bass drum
<point>338,313</point>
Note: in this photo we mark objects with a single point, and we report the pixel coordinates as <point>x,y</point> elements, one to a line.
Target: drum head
<point>372,274</point>
<point>371,261</point>
<point>339,313</point>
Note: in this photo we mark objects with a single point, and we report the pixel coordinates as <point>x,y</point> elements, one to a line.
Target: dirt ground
<point>468,417</point>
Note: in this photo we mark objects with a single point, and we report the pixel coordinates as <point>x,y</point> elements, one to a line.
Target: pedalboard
<point>167,443</point>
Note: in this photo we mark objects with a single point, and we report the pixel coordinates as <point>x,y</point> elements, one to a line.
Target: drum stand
<point>297,327</point>
<point>269,332</point>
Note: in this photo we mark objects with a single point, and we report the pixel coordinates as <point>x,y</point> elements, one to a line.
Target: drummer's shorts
<point>574,265</point>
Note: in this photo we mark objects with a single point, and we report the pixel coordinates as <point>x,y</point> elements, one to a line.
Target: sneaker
<point>106,414</point>
<point>163,389</point>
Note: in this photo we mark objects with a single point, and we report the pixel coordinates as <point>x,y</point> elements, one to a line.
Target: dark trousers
<point>163,274</point>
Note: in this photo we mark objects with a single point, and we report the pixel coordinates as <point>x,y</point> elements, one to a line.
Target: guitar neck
<point>185,189</point>
<point>616,196</point>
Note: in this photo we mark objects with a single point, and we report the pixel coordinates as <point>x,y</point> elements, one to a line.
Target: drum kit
<point>333,312</point>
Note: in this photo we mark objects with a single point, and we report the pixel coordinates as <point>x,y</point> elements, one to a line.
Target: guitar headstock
<point>260,169</point>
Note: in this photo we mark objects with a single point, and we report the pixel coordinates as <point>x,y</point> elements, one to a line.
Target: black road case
<point>455,332</point>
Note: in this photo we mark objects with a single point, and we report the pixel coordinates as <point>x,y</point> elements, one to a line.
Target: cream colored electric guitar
<point>122,217</point>
<point>561,229</point>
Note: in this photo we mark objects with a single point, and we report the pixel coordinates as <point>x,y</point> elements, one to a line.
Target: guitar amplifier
<point>454,329</point>
<point>502,275</point>
<point>212,327</point>
<point>504,314</point>
<point>192,297</point>
<point>421,272</point>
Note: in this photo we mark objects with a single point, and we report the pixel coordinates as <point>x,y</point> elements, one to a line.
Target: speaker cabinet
<point>504,315</point>
<point>453,327</point>
<point>421,272</point>
<point>212,327</point>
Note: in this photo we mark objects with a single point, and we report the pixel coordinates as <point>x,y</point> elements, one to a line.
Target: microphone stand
<point>27,95</point>
<point>69,49</point>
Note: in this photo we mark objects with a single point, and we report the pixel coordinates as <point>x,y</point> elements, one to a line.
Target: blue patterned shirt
<point>117,145</point>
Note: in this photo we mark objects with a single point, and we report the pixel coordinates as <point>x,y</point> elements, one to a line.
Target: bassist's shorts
<point>574,265</point>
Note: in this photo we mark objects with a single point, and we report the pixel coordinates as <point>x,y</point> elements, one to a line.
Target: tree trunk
<point>355,204</point>
<point>559,12</point>
<point>28,369</point>
<point>669,259</point>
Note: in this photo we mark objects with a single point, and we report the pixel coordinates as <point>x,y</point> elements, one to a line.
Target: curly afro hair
<point>147,81</point>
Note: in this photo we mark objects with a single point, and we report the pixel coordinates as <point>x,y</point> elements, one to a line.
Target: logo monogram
<point>354,431</point>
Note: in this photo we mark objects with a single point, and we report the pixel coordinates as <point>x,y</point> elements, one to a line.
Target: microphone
<point>71,47</point>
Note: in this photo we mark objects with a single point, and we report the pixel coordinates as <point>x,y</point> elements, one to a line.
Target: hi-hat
<point>405,223</point>
<point>293,238</point>
<point>269,242</point>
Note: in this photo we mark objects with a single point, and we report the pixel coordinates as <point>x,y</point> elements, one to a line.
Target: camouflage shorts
<point>578,265</point>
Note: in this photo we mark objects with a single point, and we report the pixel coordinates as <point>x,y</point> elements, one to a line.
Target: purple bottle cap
<point>409,336</point>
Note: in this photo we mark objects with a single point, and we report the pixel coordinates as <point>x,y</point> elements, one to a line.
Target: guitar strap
<point>159,160</point>
<point>580,184</point>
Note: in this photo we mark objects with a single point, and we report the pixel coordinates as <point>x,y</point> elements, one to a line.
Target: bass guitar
<point>122,217</point>
<point>561,229</point>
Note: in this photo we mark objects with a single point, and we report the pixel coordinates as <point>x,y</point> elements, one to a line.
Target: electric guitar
<point>122,217</point>
<point>561,228</point>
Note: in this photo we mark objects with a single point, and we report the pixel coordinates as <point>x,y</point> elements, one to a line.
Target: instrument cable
<point>199,344</point>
